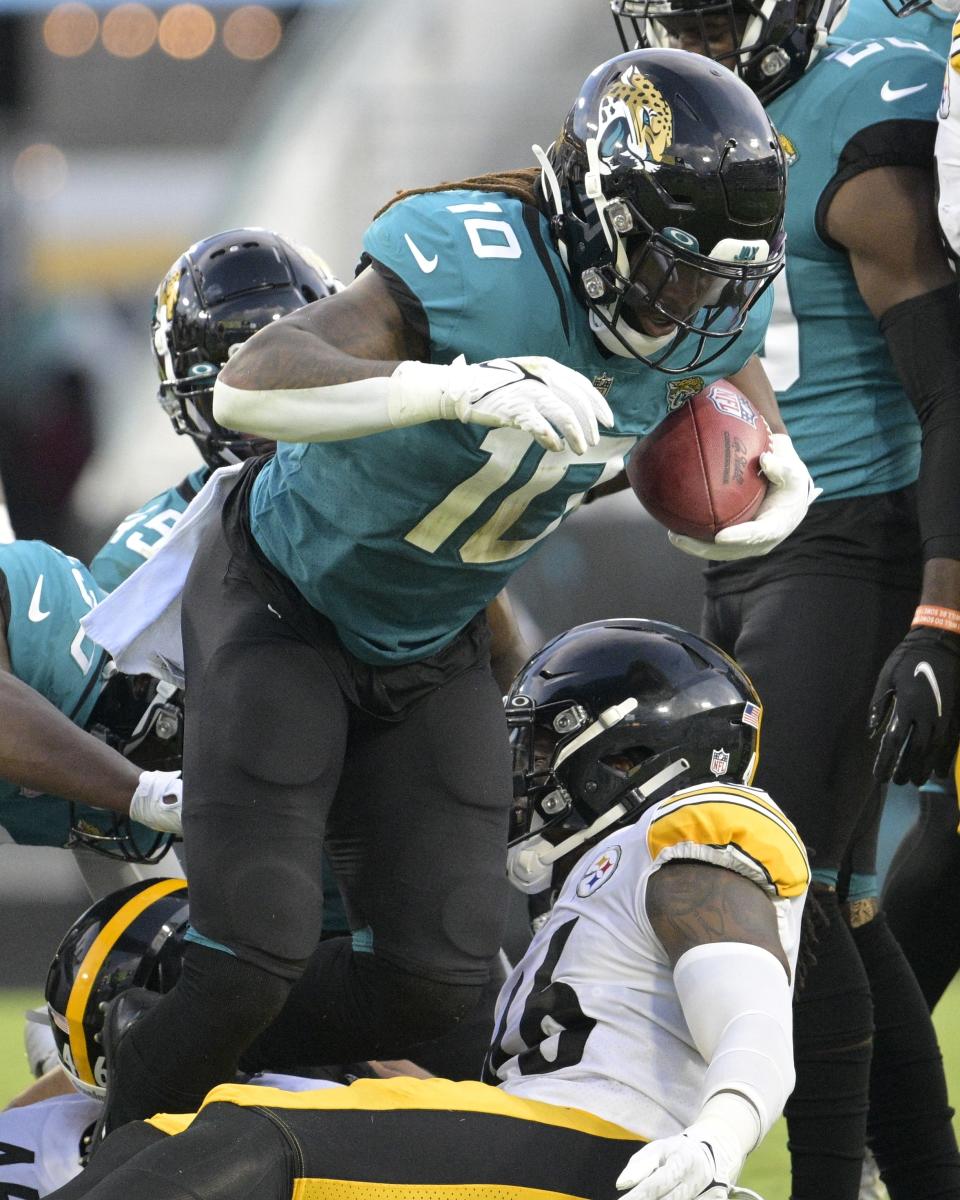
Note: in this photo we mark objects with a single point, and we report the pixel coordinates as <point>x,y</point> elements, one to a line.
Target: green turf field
<point>766,1172</point>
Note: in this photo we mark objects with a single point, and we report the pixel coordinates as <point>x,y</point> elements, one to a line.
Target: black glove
<point>915,709</point>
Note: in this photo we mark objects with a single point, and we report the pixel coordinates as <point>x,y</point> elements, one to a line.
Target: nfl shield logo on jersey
<point>719,762</point>
<point>599,871</point>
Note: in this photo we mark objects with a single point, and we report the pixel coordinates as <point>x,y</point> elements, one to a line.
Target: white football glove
<point>702,1163</point>
<point>790,493</point>
<point>158,801</point>
<point>551,402</point>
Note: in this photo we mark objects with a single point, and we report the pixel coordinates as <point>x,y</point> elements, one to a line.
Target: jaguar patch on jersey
<point>599,871</point>
<point>679,391</point>
<point>635,121</point>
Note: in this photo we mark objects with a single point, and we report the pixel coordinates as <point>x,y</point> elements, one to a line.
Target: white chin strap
<point>639,343</point>
<point>530,865</point>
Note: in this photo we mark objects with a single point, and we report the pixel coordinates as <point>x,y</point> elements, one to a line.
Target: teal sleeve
<point>418,240</point>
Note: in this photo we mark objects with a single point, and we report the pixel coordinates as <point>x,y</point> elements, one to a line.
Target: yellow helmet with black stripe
<point>131,938</point>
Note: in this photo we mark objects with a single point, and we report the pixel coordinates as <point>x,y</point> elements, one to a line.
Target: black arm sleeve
<point>4,603</point>
<point>923,337</point>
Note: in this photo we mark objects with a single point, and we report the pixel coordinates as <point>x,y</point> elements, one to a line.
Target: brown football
<point>699,471</point>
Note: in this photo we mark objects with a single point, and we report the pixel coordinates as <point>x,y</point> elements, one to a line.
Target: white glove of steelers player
<point>703,1162</point>
<point>158,801</point>
<point>551,402</point>
<point>790,493</point>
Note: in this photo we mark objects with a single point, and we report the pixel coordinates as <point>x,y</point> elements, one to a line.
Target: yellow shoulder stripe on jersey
<point>410,1093</point>
<point>753,795</point>
<point>728,817</point>
<point>351,1189</point>
<point>93,960</point>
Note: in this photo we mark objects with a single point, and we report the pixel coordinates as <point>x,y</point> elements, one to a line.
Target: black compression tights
<point>909,1127</point>
<point>833,1025</point>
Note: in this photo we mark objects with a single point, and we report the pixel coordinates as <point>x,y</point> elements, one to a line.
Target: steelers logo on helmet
<point>666,190</point>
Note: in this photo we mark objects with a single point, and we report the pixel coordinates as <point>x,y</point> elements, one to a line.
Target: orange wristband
<point>937,618</point>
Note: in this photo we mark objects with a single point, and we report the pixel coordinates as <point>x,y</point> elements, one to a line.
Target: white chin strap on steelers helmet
<point>530,862</point>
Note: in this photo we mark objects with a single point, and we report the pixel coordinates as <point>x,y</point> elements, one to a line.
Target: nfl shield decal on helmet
<point>719,762</point>
<point>599,871</point>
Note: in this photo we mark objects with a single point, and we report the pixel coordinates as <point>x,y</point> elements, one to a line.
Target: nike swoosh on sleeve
<point>923,668</point>
<point>35,612</point>
<point>427,264</point>
<point>888,93</point>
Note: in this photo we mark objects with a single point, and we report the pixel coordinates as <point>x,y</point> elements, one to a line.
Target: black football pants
<point>278,764</point>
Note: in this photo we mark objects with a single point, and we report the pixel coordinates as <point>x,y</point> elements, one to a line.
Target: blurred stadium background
<point>127,131</point>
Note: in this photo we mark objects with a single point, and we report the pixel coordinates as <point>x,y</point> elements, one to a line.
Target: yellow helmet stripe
<point>93,960</point>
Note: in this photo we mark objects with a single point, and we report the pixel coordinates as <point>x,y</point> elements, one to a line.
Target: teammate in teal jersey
<point>864,355</point>
<point>62,786</point>
<point>219,292</point>
<point>341,596</point>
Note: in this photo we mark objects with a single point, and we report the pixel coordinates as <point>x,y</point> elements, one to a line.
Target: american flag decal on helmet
<point>751,715</point>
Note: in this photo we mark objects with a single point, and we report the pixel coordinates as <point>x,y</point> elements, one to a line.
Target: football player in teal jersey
<point>219,292</point>
<point>863,353</point>
<point>418,464</point>
<point>60,785</point>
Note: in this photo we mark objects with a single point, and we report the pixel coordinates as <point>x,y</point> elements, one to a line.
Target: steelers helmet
<point>665,193</point>
<point>217,294</point>
<point>141,718</point>
<point>131,938</point>
<point>610,717</point>
<point>768,43</point>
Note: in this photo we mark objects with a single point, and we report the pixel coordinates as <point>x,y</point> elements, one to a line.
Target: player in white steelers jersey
<point>643,1043</point>
<point>600,951</point>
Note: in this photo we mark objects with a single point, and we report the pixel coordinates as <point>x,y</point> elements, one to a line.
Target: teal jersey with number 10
<point>400,538</point>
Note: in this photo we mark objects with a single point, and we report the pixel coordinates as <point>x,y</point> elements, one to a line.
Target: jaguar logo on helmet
<point>635,122</point>
<point>168,292</point>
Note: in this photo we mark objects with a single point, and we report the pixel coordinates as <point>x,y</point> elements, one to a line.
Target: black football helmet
<point>131,938</point>
<point>665,191</point>
<point>610,717</point>
<point>768,43</point>
<point>216,295</point>
<point>141,718</point>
